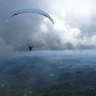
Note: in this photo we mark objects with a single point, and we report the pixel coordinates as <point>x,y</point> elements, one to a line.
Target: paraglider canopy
<point>51,75</point>
<point>29,10</point>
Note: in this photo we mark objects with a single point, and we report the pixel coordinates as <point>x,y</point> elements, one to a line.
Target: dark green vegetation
<point>29,76</point>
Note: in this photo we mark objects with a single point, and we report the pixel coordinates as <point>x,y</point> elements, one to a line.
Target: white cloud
<point>44,28</point>
<point>70,16</point>
<point>66,15</point>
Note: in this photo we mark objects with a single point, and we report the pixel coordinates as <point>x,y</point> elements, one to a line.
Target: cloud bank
<point>74,26</point>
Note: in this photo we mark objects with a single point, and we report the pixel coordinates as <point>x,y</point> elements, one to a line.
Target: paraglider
<point>52,75</point>
<point>30,47</point>
<point>29,10</point>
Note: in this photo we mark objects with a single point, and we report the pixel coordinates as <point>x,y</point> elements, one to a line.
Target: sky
<point>74,26</point>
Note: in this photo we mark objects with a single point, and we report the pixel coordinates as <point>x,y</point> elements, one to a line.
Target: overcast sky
<point>74,27</point>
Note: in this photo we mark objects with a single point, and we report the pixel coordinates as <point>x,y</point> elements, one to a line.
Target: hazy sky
<point>74,26</point>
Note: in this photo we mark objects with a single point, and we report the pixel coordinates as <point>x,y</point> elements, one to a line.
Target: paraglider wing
<point>29,10</point>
